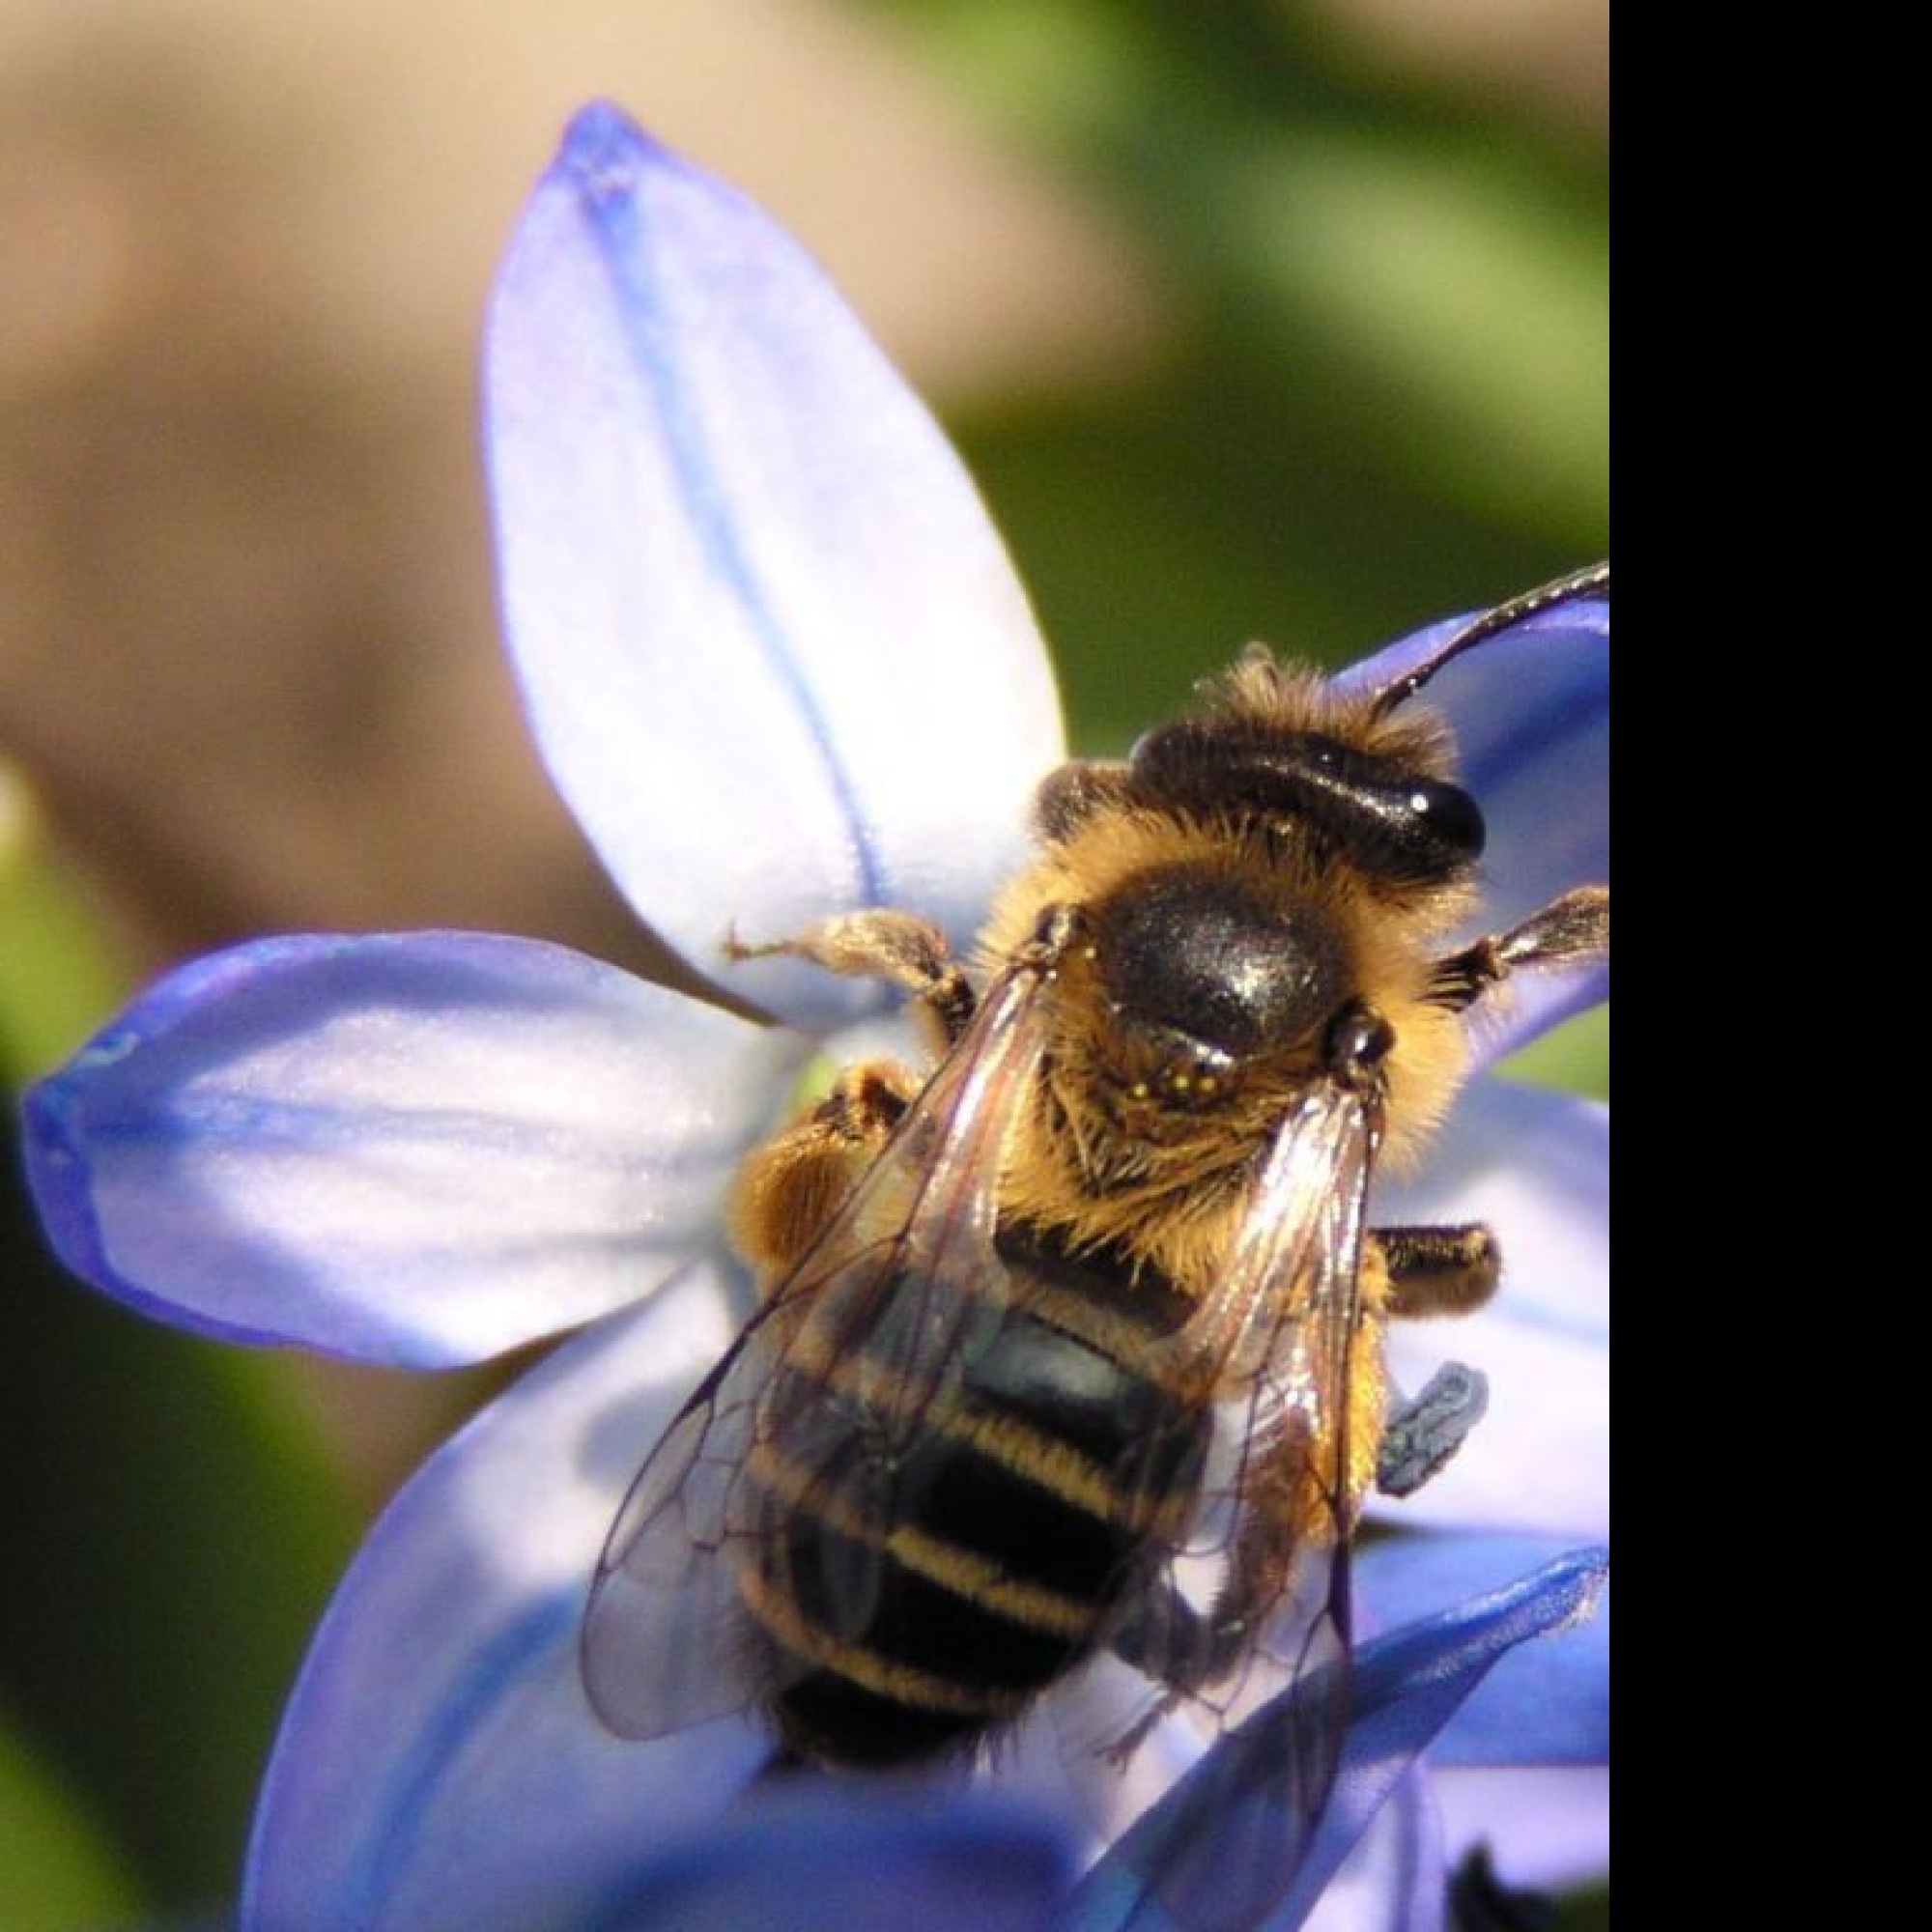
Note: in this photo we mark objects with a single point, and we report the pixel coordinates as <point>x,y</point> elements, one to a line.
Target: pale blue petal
<point>849,1855</point>
<point>420,1148</point>
<point>437,1766</point>
<point>1408,1686</point>
<point>774,655</point>
<point>1534,1165</point>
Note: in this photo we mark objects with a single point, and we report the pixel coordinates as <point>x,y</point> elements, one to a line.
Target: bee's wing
<point>666,1641</point>
<point>1257,1600</point>
<point>808,1411</point>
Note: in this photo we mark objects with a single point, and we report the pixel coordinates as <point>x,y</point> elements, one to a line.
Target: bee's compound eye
<point>1453,818</point>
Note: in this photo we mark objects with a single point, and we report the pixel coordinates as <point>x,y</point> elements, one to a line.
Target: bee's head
<point>1252,875</point>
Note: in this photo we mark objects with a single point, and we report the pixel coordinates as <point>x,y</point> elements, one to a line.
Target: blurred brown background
<point>248,649</point>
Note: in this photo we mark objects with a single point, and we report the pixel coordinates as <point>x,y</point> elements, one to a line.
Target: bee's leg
<point>1436,1270</point>
<point>1188,1651</point>
<point>1420,1436</point>
<point>1184,1646</point>
<point>1407,1271</point>
<point>788,1190</point>
<point>1172,1644</point>
<point>883,944</point>
<point>1566,933</point>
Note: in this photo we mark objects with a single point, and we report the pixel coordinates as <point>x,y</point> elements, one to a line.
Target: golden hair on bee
<point>1071,1343</point>
<point>1261,689</point>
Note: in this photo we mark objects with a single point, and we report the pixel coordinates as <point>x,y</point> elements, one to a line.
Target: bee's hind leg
<point>788,1190</point>
<point>1186,1647</point>
<point>1567,931</point>
<point>883,944</point>
<point>1176,1647</point>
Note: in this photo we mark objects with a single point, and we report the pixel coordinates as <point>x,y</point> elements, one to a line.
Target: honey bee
<point>1074,1345</point>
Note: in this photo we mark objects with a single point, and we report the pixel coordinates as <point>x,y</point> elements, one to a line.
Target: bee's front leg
<point>788,1190</point>
<point>1567,932</point>
<point>883,944</point>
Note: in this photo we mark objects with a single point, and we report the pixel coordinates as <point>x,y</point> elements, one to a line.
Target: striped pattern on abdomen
<point>1020,1513</point>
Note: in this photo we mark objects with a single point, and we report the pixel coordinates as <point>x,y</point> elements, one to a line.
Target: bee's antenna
<point>1589,582</point>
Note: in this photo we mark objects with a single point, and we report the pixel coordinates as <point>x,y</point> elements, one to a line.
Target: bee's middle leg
<point>883,944</point>
<point>788,1190</point>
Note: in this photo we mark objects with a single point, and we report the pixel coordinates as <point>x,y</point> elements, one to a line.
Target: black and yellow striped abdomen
<point>1017,1516</point>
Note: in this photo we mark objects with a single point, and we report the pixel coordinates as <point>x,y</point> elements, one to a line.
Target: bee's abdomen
<point>1017,1517</point>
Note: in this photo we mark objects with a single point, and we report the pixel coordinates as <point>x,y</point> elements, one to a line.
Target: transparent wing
<point>666,1641</point>
<point>1251,1620</point>
<point>811,1410</point>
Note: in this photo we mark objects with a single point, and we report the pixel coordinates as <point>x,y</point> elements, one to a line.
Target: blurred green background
<point>1253,319</point>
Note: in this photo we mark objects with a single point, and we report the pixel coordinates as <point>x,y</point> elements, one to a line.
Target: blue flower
<point>779,665</point>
